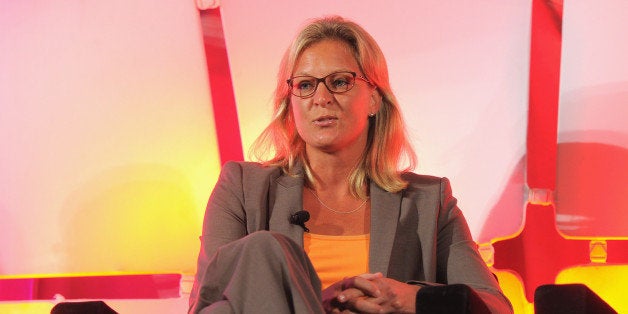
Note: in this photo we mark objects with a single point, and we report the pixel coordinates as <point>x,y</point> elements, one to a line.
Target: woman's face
<point>333,122</point>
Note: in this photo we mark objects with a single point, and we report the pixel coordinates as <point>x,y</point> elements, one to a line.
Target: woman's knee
<point>266,239</point>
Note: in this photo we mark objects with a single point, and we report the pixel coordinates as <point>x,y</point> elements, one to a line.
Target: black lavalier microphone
<point>300,218</point>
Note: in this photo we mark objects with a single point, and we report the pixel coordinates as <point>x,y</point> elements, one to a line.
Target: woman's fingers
<point>350,294</point>
<point>371,276</point>
<point>366,305</point>
<point>373,293</point>
<point>367,286</point>
<point>355,287</point>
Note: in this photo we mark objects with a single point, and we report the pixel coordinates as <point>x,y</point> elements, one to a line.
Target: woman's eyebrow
<point>334,71</point>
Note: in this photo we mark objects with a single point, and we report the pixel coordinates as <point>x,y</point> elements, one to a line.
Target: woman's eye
<point>340,83</point>
<point>304,85</point>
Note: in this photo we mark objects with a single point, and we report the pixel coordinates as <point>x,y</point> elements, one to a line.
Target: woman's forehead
<point>325,57</point>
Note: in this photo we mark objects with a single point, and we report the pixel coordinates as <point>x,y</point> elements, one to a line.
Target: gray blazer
<point>418,234</point>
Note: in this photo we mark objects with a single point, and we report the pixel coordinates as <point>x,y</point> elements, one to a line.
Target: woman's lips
<point>325,120</point>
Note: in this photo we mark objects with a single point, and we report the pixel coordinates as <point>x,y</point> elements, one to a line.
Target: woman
<point>377,235</point>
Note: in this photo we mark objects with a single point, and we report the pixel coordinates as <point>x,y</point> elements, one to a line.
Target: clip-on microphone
<point>300,218</point>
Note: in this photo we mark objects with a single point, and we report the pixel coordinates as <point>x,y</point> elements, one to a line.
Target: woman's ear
<point>376,101</point>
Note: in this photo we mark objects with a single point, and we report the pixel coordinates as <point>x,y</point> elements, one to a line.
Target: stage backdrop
<point>106,128</point>
<point>107,141</point>
<point>108,150</point>
<point>592,181</point>
<point>459,70</point>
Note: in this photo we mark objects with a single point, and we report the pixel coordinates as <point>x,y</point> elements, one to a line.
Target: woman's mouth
<point>325,120</point>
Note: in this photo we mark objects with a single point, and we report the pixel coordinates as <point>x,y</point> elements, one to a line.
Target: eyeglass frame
<point>322,79</point>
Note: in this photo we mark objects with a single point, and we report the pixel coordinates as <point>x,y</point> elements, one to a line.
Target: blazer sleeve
<point>458,259</point>
<point>224,222</point>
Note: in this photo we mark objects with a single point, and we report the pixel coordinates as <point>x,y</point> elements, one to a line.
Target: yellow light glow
<point>608,281</point>
<point>512,287</point>
<point>26,307</point>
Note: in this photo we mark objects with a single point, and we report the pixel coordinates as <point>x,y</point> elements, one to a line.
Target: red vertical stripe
<point>545,52</point>
<point>539,251</point>
<point>221,87</point>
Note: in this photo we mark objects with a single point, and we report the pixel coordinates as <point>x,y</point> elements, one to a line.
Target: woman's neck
<point>331,171</point>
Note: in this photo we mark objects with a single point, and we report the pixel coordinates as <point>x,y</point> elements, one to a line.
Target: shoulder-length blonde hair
<point>388,150</point>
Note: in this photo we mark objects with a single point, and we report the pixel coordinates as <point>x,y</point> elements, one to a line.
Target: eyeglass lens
<point>339,82</point>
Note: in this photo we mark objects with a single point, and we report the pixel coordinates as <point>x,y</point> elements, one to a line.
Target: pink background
<point>108,147</point>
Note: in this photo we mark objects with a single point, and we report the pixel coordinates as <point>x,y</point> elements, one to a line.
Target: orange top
<point>337,257</point>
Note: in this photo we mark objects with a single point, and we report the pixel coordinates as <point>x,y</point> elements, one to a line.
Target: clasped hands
<point>370,293</point>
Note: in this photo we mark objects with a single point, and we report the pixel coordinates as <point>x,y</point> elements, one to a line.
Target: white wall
<point>107,142</point>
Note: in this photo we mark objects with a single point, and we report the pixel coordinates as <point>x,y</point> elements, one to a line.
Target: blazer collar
<point>286,198</point>
<point>385,211</point>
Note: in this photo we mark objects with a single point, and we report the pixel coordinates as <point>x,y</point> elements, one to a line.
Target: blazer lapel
<point>385,209</point>
<point>286,198</point>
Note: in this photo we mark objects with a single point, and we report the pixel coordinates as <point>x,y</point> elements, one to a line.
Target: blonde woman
<point>333,220</point>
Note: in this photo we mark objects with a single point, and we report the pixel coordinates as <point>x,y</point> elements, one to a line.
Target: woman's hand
<point>370,293</point>
<point>397,297</point>
<point>352,295</point>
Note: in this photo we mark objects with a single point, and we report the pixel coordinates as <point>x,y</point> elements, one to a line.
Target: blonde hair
<point>388,150</point>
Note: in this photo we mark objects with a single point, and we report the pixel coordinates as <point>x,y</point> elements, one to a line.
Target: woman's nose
<point>322,95</point>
